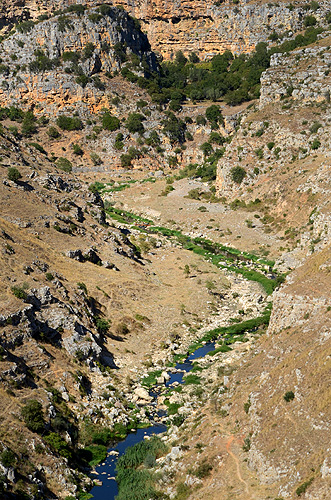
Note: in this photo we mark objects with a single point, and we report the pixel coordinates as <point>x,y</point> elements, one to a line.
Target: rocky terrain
<point>190,26</point>
<point>120,252</point>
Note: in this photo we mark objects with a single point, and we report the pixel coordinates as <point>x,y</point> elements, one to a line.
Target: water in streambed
<point>106,471</point>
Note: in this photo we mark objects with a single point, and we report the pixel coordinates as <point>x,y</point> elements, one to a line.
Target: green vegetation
<point>289,396</point>
<point>134,123</point>
<point>238,174</point>
<point>303,487</point>
<point>53,133</point>
<point>69,123</point>
<point>110,122</point>
<point>135,480</point>
<point>64,164</point>
<point>20,292</point>
<point>14,174</point>
<point>42,62</point>
<point>33,416</point>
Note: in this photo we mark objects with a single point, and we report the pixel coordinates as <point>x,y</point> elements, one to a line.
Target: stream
<point>107,470</point>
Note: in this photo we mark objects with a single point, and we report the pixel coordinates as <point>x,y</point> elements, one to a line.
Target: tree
<point>180,58</point>
<point>14,174</point>
<point>33,416</point>
<point>110,122</point>
<point>134,123</point>
<point>238,174</point>
<point>29,126</point>
<point>213,114</point>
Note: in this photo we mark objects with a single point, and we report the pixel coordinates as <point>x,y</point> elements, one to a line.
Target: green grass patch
<point>134,477</point>
<point>151,378</point>
<point>192,379</point>
<point>97,453</point>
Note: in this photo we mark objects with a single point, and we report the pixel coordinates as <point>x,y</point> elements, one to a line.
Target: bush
<point>29,126</point>
<point>14,174</point>
<point>110,122</point>
<point>82,80</point>
<point>302,488</point>
<point>238,174</point>
<point>64,164</point>
<point>289,396</point>
<point>68,123</point>
<point>88,50</point>
<point>102,325</point>
<point>214,114</point>
<point>314,127</point>
<point>33,417</point>
<point>53,133</point>
<point>134,123</point>
<point>19,292</point>
<point>77,150</point>
<point>315,144</point>
<point>7,458</point>
<point>96,160</point>
<point>58,445</point>
<point>309,21</point>
<point>200,120</point>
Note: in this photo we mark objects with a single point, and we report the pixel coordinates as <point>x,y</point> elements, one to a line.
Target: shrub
<point>122,329</point>
<point>134,123</point>
<point>314,127</point>
<point>42,62</point>
<point>102,325</point>
<point>96,160</point>
<point>38,147</point>
<point>247,444</point>
<point>69,123</point>
<point>315,144</point>
<point>302,488</point>
<point>73,57</point>
<point>19,292</point>
<point>77,150</point>
<point>29,126</point>
<point>14,174</point>
<point>309,21</point>
<point>64,164</point>
<point>33,417</point>
<point>125,160</point>
<point>25,26</point>
<point>206,148</point>
<point>82,80</point>
<point>53,133</point>
<point>200,120</point>
<point>7,458</point>
<point>214,114</point>
<point>215,138</point>
<point>58,445</point>
<point>203,470</point>
<point>289,396</point>
<point>88,50</point>
<point>238,174</point>
<point>110,122</point>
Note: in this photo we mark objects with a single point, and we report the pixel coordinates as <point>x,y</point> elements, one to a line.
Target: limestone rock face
<point>42,76</point>
<point>190,25</point>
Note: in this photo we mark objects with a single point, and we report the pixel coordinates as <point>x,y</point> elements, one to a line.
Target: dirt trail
<point>233,456</point>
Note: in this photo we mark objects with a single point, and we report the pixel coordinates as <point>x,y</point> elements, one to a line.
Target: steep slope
<point>192,26</point>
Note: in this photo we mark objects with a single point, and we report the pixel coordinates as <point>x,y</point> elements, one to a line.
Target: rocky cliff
<point>92,37</point>
<point>191,26</point>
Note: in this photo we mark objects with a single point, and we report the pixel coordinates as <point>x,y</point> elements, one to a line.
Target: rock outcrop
<point>190,26</point>
<point>58,59</point>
